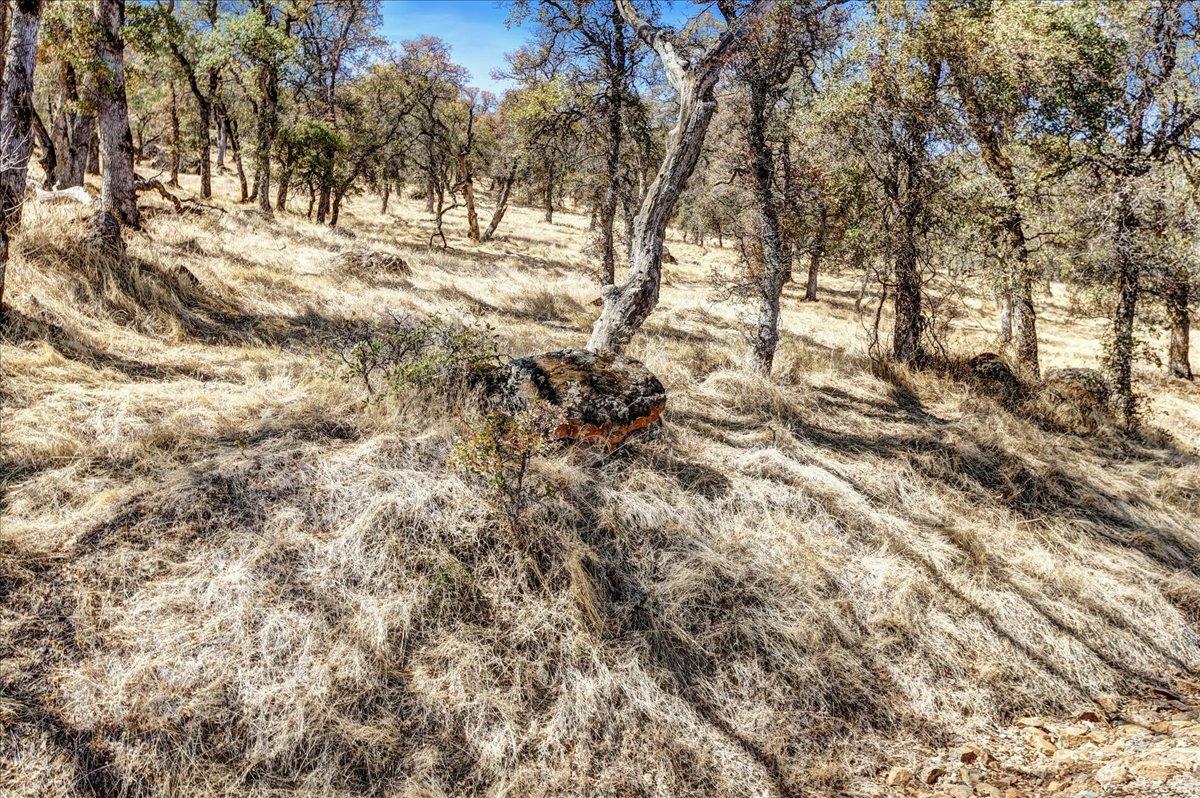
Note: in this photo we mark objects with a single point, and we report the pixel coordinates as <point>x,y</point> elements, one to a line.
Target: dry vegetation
<point>224,573</point>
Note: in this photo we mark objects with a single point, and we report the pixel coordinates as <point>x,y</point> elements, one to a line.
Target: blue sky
<point>474,29</point>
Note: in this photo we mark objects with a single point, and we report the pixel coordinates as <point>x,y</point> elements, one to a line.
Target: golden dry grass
<point>225,574</point>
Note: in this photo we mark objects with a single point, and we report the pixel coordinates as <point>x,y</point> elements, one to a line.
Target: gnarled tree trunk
<point>501,203</point>
<point>116,142</point>
<point>626,306</point>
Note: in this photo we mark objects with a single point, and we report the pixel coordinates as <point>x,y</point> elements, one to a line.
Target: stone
<point>1112,773</point>
<point>997,377</point>
<point>931,773</point>
<point>603,397</point>
<point>898,776</point>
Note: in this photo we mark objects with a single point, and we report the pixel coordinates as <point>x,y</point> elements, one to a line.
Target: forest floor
<point>224,572</point>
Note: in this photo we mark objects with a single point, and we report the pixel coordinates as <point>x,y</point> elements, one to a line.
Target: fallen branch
<point>154,184</point>
<point>74,194</point>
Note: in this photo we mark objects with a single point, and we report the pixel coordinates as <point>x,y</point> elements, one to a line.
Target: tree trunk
<point>626,306</point>
<point>387,193</point>
<point>548,199</point>
<point>501,203</point>
<point>1004,329</point>
<point>222,137</point>
<point>1180,321</point>
<point>335,207</point>
<point>3,35</point>
<point>175,152</point>
<point>93,158</point>
<point>48,157</point>
<point>232,136</point>
<point>469,196</point>
<point>73,125</point>
<point>612,160</point>
<point>116,142</point>
<point>205,148</point>
<point>430,187</point>
<point>816,254</point>
<point>266,130</point>
<point>1019,291</point>
<point>909,324</point>
<point>776,260</point>
<point>16,119</point>
<point>324,198</point>
<point>1128,287</point>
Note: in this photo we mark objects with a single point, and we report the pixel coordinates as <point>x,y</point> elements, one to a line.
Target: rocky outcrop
<point>603,398</point>
<point>1147,746</point>
<point>993,372</point>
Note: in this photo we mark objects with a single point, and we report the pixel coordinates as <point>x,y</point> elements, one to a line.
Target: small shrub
<point>412,354</point>
<point>499,449</point>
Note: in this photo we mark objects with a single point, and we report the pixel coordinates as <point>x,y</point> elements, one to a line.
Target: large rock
<point>992,371</point>
<point>604,398</point>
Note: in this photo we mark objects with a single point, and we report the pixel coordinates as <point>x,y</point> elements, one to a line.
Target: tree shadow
<point>17,328</point>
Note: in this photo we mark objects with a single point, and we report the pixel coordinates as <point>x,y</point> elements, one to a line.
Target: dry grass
<point>225,574</point>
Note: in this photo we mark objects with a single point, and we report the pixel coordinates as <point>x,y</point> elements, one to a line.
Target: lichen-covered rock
<point>603,398</point>
<point>993,371</point>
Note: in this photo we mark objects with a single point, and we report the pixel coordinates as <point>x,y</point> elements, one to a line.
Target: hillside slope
<point>225,573</point>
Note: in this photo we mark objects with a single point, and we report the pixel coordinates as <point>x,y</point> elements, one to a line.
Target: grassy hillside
<point>225,573</point>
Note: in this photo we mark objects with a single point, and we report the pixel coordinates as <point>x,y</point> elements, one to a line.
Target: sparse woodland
<point>759,398</point>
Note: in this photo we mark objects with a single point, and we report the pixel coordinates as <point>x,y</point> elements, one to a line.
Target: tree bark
<point>1128,288</point>
<point>16,119</point>
<point>816,254</point>
<point>468,182</point>
<point>776,260</point>
<point>117,195</point>
<point>548,197</point>
<point>909,326</point>
<point>1180,321</point>
<point>501,203</point>
<point>387,193</point>
<point>175,153</point>
<point>627,306</point>
<point>235,145</point>
<point>266,130</point>
<point>222,140</point>
<point>1004,330</point>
